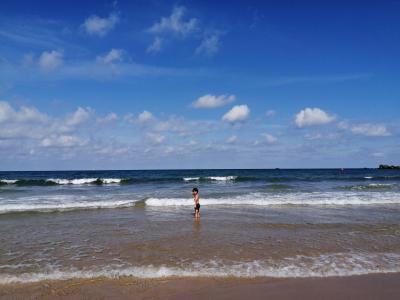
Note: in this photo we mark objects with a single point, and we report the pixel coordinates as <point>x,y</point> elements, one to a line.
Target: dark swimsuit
<point>197,206</point>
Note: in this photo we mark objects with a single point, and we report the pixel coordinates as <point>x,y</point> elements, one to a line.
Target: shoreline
<point>371,286</point>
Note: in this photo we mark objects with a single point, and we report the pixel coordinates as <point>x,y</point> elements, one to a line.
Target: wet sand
<point>377,286</point>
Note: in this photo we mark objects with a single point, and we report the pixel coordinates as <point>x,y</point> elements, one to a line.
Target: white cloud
<point>145,116</point>
<point>112,56</point>
<point>156,137</point>
<point>312,116</point>
<point>175,23</point>
<point>173,124</point>
<point>212,101</point>
<point>24,114</point>
<point>156,45</point>
<point>269,138</point>
<point>78,117</point>
<point>95,25</point>
<point>321,136</point>
<point>5,111</point>
<point>193,143</point>
<point>270,113</point>
<point>49,61</point>
<point>111,117</point>
<point>365,129</point>
<point>368,129</point>
<point>343,125</point>
<point>378,154</point>
<point>209,45</point>
<point>62,141</point>
<point>232,139</point>
<point>237,113</point>
<point>129,117</point>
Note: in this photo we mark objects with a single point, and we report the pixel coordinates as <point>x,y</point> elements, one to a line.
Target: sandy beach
<point>382,286</point>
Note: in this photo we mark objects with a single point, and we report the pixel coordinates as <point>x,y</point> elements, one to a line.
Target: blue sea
<point>57,225</point>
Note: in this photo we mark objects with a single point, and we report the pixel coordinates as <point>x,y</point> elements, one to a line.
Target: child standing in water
<point>196,197</point>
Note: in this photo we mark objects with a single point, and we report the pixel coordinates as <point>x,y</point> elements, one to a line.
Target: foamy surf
<point>222,178</point>
<point>328,265</point>
<point>68,206</point>
<point>211,178</point>
<point>191,178</point>
<point>62,181</point>
<point>265,199</point>
<point>85,180</point>
<point>8,181</point>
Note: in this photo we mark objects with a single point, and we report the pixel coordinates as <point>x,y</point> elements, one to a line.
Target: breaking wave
<point>263,199</point>
<point>210,179</point>
<point>61,207</point>
<point>328,265</point>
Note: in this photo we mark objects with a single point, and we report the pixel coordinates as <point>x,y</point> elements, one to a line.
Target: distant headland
<point>389,167</point>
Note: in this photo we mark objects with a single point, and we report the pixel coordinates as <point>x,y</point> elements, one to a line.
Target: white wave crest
<point>8,181</point>
<point>53,207</point>
<point>111,180</point>
<point>191,178</point>
<point>222,178</point>
<point>336,264</point>
<point>215,178</point>
<point>266,199</point>
<point>84,180</point>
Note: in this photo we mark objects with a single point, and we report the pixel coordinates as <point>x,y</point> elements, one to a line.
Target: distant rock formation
<point>389,167</point>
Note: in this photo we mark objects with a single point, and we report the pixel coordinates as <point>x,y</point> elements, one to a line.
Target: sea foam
<point>268,199</point>
<point>327,265</point>
<point>66,206</point>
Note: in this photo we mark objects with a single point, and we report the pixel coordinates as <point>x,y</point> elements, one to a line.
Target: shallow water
<point>278,223</point>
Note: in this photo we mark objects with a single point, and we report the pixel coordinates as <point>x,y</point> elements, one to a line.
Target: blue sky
<point>199,84</point>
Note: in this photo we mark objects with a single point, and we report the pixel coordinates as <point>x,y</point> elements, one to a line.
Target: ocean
<point>254,223</point>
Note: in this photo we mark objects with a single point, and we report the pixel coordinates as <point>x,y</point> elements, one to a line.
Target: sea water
<point>271,223</point>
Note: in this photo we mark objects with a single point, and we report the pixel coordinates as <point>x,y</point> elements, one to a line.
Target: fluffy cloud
<point>95,25</point>
<point>111,117</point>
<point>209,45</point>
<point>237,113</point>
<point>113,56</point>
<point>63,141</point>
<point>27,125</point>
<point>175,23</point>
<point>269,138</point>
<point>145,116</point>
<point>156,45</point>
<point>49,61</point>
<point>365,129</point>
<point>83,139</point>
<point>78,117</point>
<point>156,137</point>
<point>5,111</point>
<point>368,129</point>
<point>312,116</point>
<point>24,114</point>
<point>212,101</point>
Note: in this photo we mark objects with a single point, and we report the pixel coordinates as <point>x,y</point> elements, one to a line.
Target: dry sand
<point>380,286</point>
